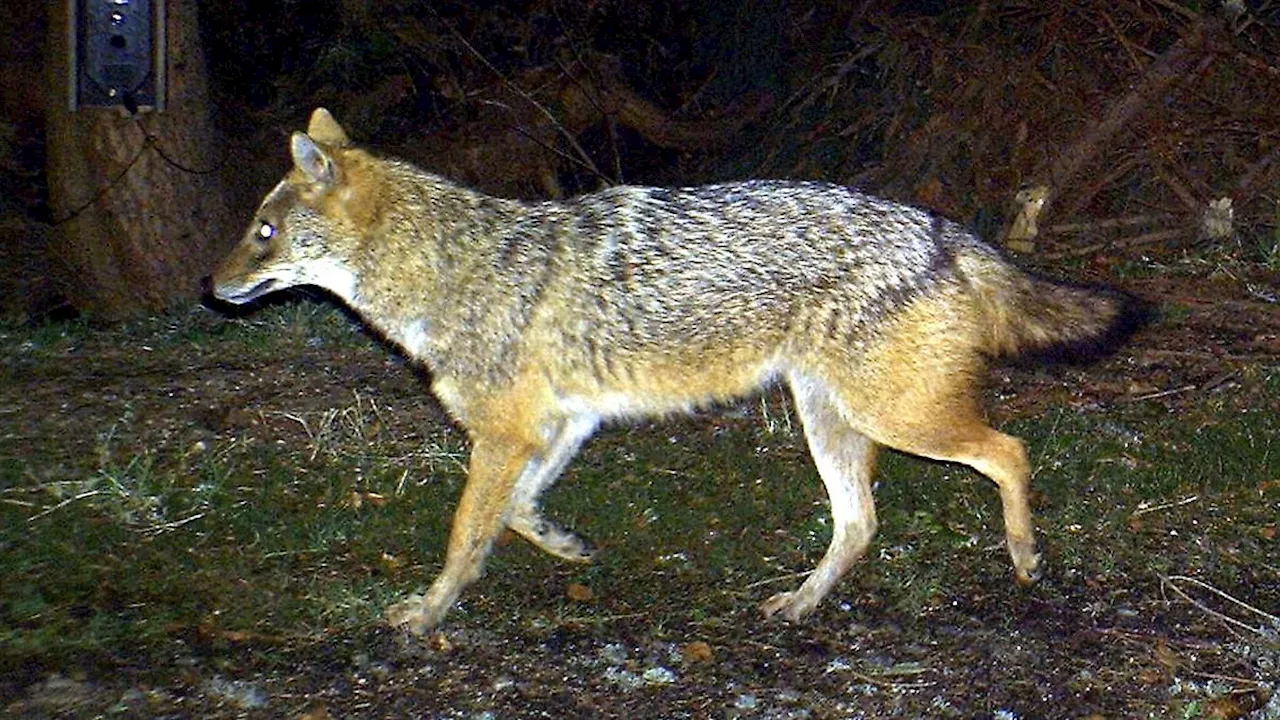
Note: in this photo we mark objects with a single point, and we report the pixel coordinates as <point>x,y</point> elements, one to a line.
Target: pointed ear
<point>315,163</point>
<point>323,128</point>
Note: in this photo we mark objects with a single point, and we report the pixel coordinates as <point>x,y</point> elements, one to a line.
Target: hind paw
<point>552,538</point>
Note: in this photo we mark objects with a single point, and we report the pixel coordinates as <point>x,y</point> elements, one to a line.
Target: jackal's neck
<point>455,225</point>
<point>446,272</point>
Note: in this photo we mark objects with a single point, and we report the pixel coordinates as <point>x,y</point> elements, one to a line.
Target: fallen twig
<point>1145,239</point>
<point>1163,506</point>
<point>163,527</point>
<point>1163,393</point>
<point>64,503</point>
<point>1170,581</point>
<point>1105,224</point>
<point>1184,58</point>
<point>890,684</point>
<point>782,578</point>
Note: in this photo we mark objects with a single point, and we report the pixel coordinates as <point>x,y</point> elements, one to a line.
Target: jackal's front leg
<point>483,512</point>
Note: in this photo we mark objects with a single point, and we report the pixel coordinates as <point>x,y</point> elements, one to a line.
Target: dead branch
<point>1189,55</point>
<point>1172,582</point>
<point>1150,238</point>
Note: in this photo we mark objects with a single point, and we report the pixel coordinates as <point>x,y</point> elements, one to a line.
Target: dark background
<point>1135,115</point>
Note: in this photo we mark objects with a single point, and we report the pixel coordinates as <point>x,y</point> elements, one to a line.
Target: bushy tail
<point>1027,315</point>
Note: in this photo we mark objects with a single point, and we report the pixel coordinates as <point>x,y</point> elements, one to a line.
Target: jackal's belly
<point>658,387</point>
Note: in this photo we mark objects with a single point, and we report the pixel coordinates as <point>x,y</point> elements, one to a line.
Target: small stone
<point>659,676</point>
<point>614,653</point>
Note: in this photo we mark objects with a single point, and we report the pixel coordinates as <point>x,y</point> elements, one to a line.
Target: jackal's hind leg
<point>845,459</point>
<point>552,538</point>
<point>526,518</point>
<point>1003,458</point>
<point>963,438</point>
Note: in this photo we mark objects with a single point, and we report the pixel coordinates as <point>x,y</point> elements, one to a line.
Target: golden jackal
<point>538,321</point>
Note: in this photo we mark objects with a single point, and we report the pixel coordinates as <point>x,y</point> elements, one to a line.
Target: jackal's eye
<point>266,230</point>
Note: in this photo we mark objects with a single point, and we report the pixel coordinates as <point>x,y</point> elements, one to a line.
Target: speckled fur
<point>538,321</point>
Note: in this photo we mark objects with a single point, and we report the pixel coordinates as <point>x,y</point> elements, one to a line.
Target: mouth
<point>237,296</point>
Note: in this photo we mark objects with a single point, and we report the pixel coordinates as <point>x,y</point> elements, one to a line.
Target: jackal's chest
<point>412,337</point>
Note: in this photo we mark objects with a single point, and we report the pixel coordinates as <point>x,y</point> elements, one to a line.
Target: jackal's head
<point>300,235</point>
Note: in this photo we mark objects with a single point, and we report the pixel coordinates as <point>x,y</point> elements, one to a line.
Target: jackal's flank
<point>538,321</point>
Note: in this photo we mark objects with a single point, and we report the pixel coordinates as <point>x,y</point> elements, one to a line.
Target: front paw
<point>790,605</point>
<point>1029,572</point>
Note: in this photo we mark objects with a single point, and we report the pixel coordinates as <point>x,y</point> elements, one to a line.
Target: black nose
<point>206,285</point>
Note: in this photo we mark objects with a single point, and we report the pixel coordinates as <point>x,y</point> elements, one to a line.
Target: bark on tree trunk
<point>139,200</point>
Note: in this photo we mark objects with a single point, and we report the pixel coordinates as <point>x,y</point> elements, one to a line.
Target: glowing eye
<point>266,230</point>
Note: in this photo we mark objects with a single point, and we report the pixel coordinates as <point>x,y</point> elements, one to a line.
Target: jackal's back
<point>718,263</point>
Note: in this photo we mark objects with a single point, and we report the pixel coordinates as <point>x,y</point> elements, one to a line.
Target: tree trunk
<point>138,201</point>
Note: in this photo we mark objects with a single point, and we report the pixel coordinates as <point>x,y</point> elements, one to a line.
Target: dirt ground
<point>1077,650</point>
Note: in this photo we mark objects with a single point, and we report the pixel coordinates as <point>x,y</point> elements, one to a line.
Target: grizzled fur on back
<point>704,264</point>
<point>700,264</point>
<point>538,321</point>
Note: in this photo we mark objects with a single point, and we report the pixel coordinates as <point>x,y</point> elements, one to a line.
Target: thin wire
<point>149,140</point>
<point>103,190</point>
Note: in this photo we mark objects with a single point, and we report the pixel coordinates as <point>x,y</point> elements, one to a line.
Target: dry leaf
<point>440,643</point>
<point>357,499</point>
<point>579,593</point>
<point>319,712</point>
<point>697,652</point>
<point>1153,676</point>
<point>1166,656</point>
<point>1236,705</point>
